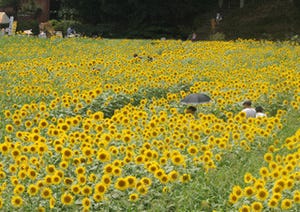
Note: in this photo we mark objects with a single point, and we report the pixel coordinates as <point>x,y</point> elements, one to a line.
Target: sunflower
<point>40,183</point>
<point>113,150</point>
<point>273,165</point>
<point>7,114</point>
<point>257,207</point>
<point>133,197</point>
<point>86,203</point>
<point>9,128</point>
<point>46,193</point>
<point>273,203</point>
<point>249,191</point>
<point>117,171</point>
<point>185,178</point>
<point>87,151</point>
<point>140,159</point>
<point>81,179</point>
<point>32,189</point>
<point>262,194</point>
<point>52,202</point>
<point>163,160</point>
<point>178,160</point>
<point>1,203</point>
<point>43,124</point>
<point>275,174</point>
<point>80,170</point>
<point>4,148</point>
<point>67,153</point>
<point>64,127</point>
<point>98,197</point>
<point>173,176</point>
<point>98,116</point>
<point>13,168</point>
<point>268,157</point>
<point>248,178</point>
<point>17,122</point>
<point>22,174</point>
<point>259,184</point>
<point>17,201</point>
<point>142,189</point>
<point>126,138</point>
<point>92,177</point>
<point>48,179</point>
<point>131,180</point>
<point>281,183</point>
<point>286,204</point>
<point>75,189</point>
<point>67,199</point>
<point>238,191</point>
<point>159,172</point>
<point>233,198</point>
<point>100,188</point>
<point>41,148</point>
<point>103,155</point>
<point>15,153</point>
<point>264,171</point>
<point>153,167</point>
<point>56,179</point>
<point>50,169</point>
<point>296,197</point>
<point>106,179</point>
<point>164,179</point>
<point>146,181</point>
<point>121,184</point>
<point>245,208</point>
<point>193,150</point>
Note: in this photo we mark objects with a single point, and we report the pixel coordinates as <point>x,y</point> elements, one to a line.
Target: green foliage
<point>63,25</point>
<point>14,3</point>
<point>84,29</point>
<point>217,36</point>
<point>29,24</point>
<point>29,7</point>
<point>120,100</point>
<point>134,18</point>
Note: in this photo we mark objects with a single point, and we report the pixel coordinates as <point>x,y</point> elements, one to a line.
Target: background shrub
<point>28,24</point>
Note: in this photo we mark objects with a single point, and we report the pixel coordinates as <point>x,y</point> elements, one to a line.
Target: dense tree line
<point>167,12</point>
<point>154,17</point>
<point>150,17</point>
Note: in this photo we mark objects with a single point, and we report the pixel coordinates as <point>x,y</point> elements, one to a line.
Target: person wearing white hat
<point>248,109</point>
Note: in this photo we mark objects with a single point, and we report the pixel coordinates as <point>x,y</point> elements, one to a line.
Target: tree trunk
<point>220,2</point>
<point>242,3</point>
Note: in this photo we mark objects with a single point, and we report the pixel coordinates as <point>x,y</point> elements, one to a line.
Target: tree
<point>15,4</point>
<point>242,3</point>
<point>10,3</point>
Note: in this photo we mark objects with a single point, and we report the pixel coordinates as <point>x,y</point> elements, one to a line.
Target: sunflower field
<point>97,125</point>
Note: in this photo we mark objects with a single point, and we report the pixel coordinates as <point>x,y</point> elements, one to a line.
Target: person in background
<point>194,37</point>
<point>248,109</point>
<point>2,33</point>
<point>71,32</point>
<point>42,35</point>
<point>260,112</point>
<point>219,18</point>
<point>191,109</point>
